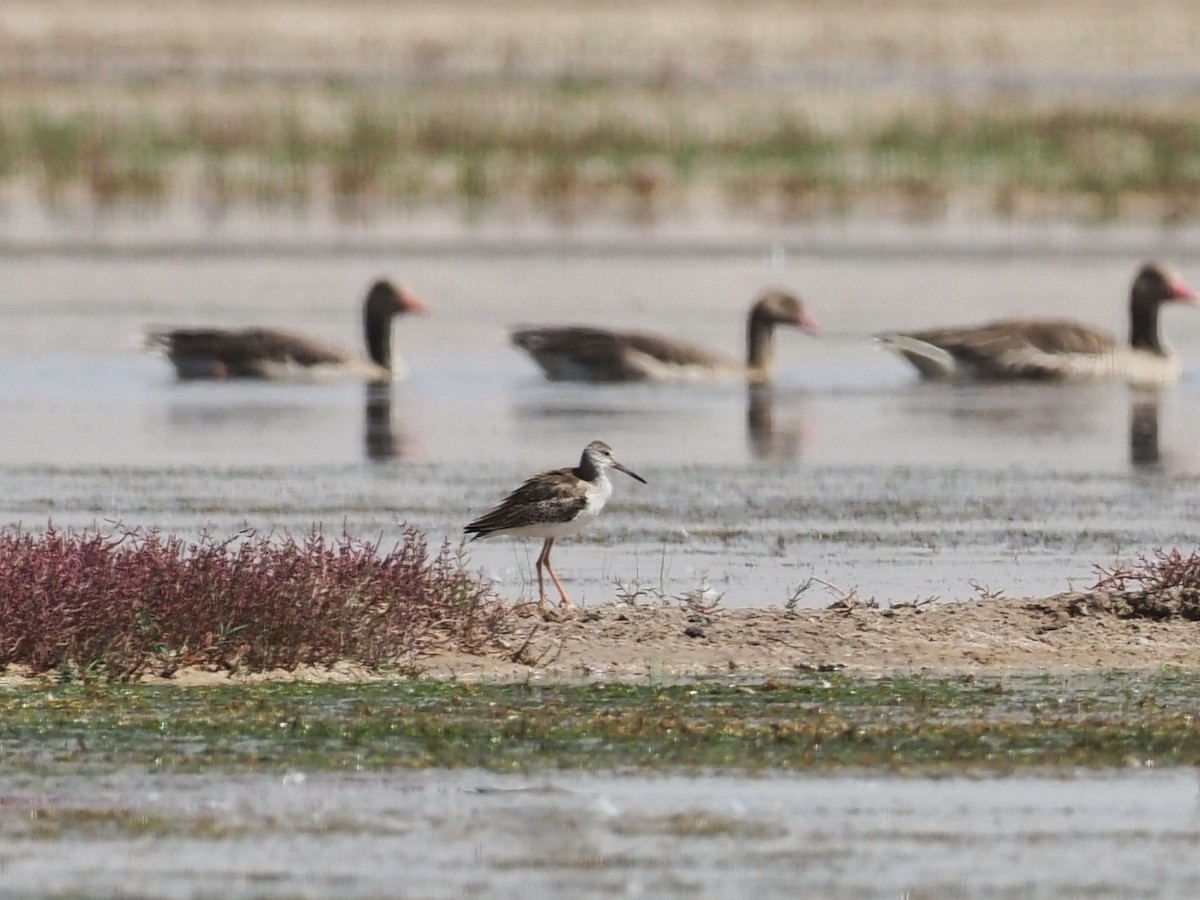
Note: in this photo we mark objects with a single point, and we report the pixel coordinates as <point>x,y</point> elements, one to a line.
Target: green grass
<point>592,146</point>
<point>811,723</point>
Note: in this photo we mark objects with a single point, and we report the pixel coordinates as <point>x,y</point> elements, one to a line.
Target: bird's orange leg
<point>544,560</point>
<point>541,561</point>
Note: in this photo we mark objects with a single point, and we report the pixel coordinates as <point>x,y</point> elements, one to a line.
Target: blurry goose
<point>274,354</point>
<point>573,353</point>
<point>1054,349</point>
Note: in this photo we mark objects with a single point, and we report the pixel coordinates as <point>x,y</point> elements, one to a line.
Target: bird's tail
<point>930,360</point>
<point>156,339</point>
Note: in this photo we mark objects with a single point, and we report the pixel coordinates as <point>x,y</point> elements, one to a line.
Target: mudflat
<point>1065,633</point>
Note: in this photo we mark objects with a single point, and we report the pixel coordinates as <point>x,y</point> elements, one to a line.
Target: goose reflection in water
<point>765,438</point>
<point>1143,431</point>
<point>381,440</point>
<point>1068,414</point>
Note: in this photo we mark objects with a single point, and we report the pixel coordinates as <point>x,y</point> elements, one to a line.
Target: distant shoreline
<point>432,233</point>
<point>564,114</point>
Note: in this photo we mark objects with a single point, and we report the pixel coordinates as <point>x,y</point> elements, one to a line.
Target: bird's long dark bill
<point>620,468</point>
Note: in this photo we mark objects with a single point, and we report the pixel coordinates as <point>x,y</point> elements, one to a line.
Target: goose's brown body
<point>598,355</point>
<point>271,353</point>
<point>1054,349</point>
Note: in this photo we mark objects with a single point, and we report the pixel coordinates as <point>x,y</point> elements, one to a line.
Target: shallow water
<point>848,471</point>
<point>461,834</point>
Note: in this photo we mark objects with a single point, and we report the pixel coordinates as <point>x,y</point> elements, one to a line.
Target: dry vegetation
<point>782,111</point>
<point>1162,585</point>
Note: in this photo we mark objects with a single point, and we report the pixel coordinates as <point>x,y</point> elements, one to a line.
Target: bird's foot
<point>527,608</point>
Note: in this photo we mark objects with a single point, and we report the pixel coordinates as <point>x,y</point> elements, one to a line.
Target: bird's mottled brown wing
<point>1006,347</point>
<point>244,349</point>
<point>553,496</point>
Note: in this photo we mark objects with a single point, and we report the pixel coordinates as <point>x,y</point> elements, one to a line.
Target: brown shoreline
<point>1069,633</point>
<point>1063,633</point>
<point>1066,633</point>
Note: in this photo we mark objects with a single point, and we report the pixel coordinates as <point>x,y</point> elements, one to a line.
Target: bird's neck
<point>1143,328</point>
<point>760,345</point>
<point>588,470</point>
<point>377,328</point>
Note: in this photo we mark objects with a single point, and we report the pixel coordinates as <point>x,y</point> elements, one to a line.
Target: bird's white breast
<point>597,496</point>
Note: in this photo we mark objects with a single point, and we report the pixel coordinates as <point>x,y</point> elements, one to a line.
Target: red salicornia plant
<point>122,604</point>
<point>1168,569</point>
<point>1165,585</point>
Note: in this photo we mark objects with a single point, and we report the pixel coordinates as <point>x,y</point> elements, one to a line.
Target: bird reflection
<point>1143,431</point>
<point>381,440</point>
<point>767,441</point>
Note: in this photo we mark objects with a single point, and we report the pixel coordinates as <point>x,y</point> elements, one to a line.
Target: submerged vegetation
<point>118,606</point>
<point>809,723</point>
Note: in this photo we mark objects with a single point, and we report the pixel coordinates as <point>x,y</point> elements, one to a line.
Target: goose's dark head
<point>385,301</point>
<point>779,307</point>
<point>1154,285</point>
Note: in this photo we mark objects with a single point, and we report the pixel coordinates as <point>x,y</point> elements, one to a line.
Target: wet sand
<point>1068,633</point>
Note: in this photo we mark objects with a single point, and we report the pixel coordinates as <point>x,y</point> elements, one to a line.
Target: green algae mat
<point>814,722</point>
